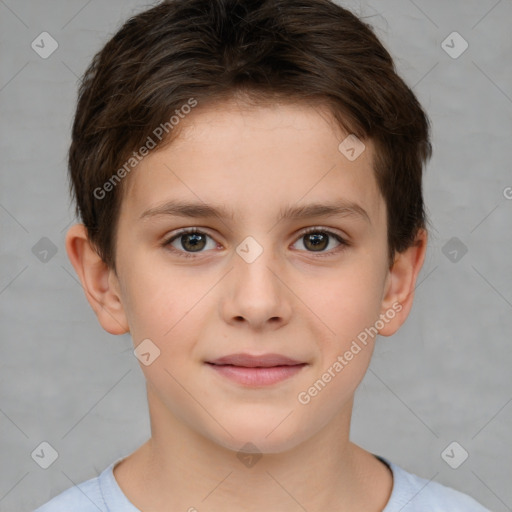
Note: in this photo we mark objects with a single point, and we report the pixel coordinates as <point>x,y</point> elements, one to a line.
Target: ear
<point>400,284</point>
<point>100,283</point>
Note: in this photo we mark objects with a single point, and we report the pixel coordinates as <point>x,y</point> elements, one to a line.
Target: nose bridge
<point>257,293</point>
<point>254,261</point>
<point>254,267</point>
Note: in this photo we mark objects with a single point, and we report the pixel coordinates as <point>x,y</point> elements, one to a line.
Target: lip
<point>256,370</point>
<point>252,361</point>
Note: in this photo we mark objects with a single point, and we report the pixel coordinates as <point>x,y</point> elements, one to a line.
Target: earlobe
<point>400,284</point>
<point>96,280</point>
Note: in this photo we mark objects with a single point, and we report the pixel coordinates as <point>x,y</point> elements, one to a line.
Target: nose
<point>256,293</point>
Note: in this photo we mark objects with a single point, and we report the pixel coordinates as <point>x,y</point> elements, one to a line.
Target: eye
<point>189,241</point>
<point>317,239</point>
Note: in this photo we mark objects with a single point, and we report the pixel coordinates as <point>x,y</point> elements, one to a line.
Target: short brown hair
<point>311,51</point>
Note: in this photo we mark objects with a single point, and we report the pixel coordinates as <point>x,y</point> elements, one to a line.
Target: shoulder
<point>411,493</point>
<point>98,494</point>
<point>84,497</point>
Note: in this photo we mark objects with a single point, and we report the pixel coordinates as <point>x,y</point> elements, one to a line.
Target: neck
<point>181,469</point>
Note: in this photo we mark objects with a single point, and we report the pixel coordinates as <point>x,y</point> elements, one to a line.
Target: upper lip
<point>251,361</point>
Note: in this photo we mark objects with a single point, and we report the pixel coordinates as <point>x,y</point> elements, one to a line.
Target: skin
<point>292,300</point>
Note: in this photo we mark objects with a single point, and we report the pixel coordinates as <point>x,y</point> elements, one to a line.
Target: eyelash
<point>343,243</point>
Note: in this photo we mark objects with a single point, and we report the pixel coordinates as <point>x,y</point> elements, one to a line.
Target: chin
<point>258,434</point>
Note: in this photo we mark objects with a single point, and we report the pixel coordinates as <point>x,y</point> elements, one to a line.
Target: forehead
<point>254,159</point>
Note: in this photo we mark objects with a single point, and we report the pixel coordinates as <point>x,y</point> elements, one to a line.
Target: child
<point>278,133</point>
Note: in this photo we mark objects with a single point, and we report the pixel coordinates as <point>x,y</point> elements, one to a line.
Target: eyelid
<point>323,229</point>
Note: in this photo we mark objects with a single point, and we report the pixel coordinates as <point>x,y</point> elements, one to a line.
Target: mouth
<point>256,371</point>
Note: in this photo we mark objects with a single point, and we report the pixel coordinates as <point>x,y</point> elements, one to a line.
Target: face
<point>248,280</point>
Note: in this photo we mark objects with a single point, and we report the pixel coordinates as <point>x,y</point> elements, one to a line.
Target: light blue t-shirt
<point>410,493</point>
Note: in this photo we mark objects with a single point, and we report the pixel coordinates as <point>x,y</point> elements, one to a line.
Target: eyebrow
<point>201,210</point>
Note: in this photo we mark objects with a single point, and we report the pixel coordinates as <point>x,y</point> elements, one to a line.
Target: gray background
<point>444,377</point>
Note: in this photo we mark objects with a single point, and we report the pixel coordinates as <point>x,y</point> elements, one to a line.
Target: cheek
<point>349,305</point>
<point>349,299</point>
<point>170,308</point>
<point>156,300</point>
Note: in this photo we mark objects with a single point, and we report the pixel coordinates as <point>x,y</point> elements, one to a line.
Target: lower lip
<point>257,376</point>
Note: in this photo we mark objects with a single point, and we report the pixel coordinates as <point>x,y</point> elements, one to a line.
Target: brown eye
<point>187,242</point>
<point>318,240</point>
<point>193,241</point>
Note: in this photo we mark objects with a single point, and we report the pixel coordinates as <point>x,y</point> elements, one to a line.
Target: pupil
<point>318,240</point>
<point>193,240</point>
